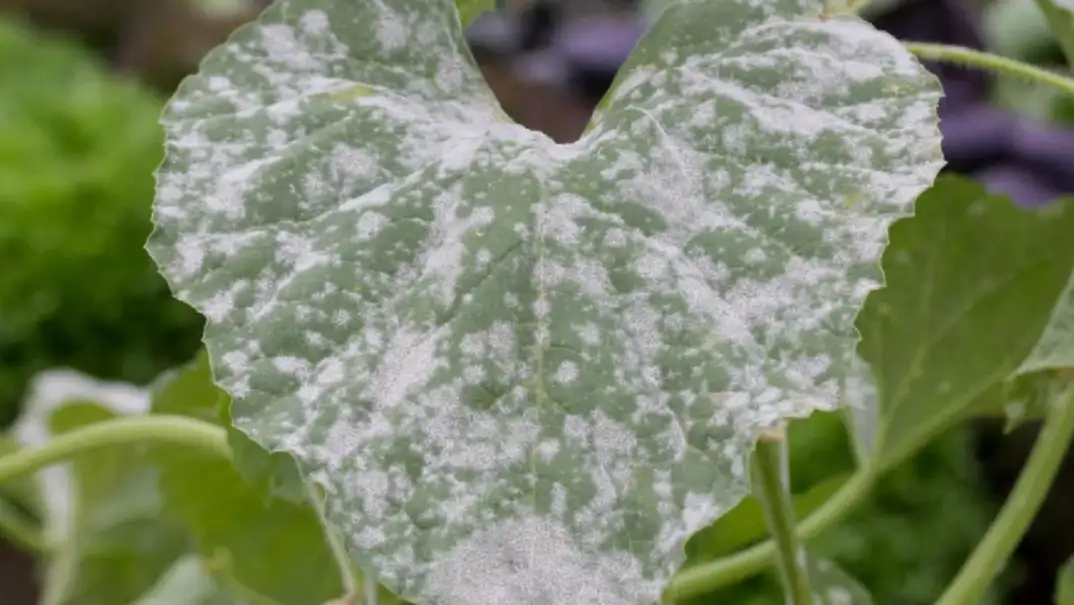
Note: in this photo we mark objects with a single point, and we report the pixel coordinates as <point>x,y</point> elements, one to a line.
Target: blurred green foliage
<point>905,543</point>
<point>1019,30</point>
<point>78,147</point>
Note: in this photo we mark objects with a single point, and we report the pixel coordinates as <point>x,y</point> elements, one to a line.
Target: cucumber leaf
<point>527,372</point>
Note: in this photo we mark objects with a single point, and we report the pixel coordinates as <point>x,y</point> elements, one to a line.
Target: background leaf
<point>187,582</point>
<point>970,282</point>
<point>1064,587</point>
<point>1055,348</point>
<point>833,586</point>
<point>470,9</point>
<point>486,345</point>
<point>273,547</point>
<point>1060,16</point>
<point>1018,28</point>
<point>744,524</point>
<point>78,147</point>
<point>104,508</point>
<point>276,473</point>
<point>819,466</point>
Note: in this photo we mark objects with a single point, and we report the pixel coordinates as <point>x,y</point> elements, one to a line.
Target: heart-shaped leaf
<point>527,372</point>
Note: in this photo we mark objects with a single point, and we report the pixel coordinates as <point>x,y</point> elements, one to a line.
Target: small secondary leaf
<point>187,582</point>
<point>970,282</point>
<point>1060,16</point>
<point>273,547</point>
<point>744,524</point>
<point>819,465</point>
<point>1064,585</point>
<point>275,472</point>
<point>102,510</point>
<point>125,542</point>
<point>470,9</point>
<point>833,586</point>
<point>488,347</point>
<point>1055,348</point>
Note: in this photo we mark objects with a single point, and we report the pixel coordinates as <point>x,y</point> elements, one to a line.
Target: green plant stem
<point>983,60</point>
<point>699,579</point>
<point>60,577</point>
<point>178,430</point>
<point>1021,506</point>
<point>1062,23</point>
<point>20,531</point>
<point>775,498</point>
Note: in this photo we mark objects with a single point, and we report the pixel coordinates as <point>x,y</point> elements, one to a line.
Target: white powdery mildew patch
<point>527,373</point>
<point>532,560</point>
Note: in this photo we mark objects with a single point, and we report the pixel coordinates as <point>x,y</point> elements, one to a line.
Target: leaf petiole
<point>177,430</point>
<point>1021,506</point>
<point>725,571</point>
<point>984,60</point>
<point>772,491</point>
<point>350,577</point>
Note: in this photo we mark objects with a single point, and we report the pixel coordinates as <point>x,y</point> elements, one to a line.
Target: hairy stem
<point>1021,506</point>
<point>178,430</point>
<point>728,570</point>
<point>770,487</point>
<point>983,60</point>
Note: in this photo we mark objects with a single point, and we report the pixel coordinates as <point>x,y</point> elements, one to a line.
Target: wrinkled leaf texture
<point>527,372</point>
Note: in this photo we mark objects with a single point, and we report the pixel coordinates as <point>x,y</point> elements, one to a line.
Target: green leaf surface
<point>819,465</point>
<point>485,345</point>
<point>470,9</point>
<point>1060,16</point>
<point>78,147</point>
<point>274,548</point>
<point>1064,585</point>
<point>1055,348</point>
<point>744,524</point>
<point>1018,29</point>
<point>274,472</point>
<point>833,586</point>
<point>126,542</point>
<point>188,582</point>
<point>970,283</point>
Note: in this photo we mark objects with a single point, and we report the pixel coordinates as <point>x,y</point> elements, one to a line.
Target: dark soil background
<point>160,41</point>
